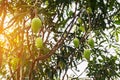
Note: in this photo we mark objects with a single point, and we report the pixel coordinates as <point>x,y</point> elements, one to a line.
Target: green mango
<point>76,42</point>
<point>36,24</point>
<point>87,53</point>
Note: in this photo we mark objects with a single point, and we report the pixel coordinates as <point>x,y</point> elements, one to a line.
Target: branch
<point>82,72</point>
<point>30,73</point>
<point>56,46</point>
<point>3,17</point>
<point>61,40</point>
<point>64,74</point>
<point>11,72</point>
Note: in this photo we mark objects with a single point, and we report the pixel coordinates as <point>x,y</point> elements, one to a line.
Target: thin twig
<point>64,74</point>
<point>82,72</point>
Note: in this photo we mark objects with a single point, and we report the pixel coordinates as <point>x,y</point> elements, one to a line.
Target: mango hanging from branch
<point>76,42</point>
<point>39,42</point>
<point>87,53</point>
<point>36,24</point>
<point>91,43</point>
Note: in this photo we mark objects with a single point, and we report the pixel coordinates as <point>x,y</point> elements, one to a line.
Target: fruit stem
<point>35,10</point>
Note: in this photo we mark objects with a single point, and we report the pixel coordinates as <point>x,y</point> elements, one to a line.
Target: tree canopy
<point>72,32</point>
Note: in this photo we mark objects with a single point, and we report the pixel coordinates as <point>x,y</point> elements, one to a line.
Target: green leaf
<point>70,13</point>
<point>117,22</point>
<point>116,36</point>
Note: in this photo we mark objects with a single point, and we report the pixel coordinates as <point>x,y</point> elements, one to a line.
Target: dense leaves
<point>62,22</point>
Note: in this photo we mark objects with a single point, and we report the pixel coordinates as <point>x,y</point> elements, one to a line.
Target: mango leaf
<point>116,36</point>
<point>117,22</point>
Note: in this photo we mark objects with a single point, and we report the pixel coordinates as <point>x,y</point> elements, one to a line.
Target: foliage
<point>62,21</point>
